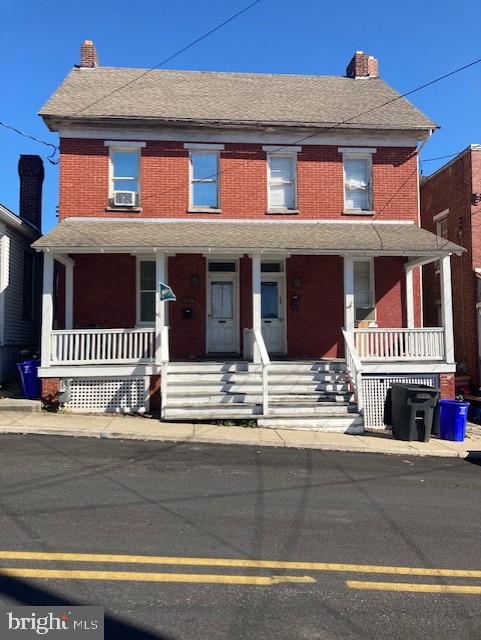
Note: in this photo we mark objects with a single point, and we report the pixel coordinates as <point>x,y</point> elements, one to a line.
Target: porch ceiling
<point>374,238</point>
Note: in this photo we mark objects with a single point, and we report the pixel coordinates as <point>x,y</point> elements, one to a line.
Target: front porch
<point>103,317</point>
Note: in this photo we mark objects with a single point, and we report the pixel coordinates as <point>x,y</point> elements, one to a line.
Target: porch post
<point>47,307</point>
<point>160,276</point>
<point>349,309</point>
<point>447,308</point>
<point>256,299</point>
<point>409,298</point>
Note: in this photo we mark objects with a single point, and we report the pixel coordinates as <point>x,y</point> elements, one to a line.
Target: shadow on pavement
<point>474,457</point>
<point>27,594</point>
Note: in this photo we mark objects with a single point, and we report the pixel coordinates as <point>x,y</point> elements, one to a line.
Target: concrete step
<point>203,378</point>
<point>211,388</point>
<point>212,411</point>
<point>307,367</point>
<point>305,377</point>
<point>327,409</point>
<point>341,424</point>
<point>215,398</point>
<point>213,367</point>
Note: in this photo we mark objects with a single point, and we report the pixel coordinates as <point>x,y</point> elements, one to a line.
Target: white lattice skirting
<point>375,388</point>
<point>110,395</point>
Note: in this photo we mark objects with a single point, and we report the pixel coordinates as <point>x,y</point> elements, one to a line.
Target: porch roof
<point>76,235</point>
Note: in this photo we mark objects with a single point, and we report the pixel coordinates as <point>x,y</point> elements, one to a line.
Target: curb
<point>147,437</point>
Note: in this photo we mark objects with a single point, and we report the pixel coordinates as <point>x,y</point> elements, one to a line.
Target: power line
<point>451,155</point>
<point>174,55</point>
<point>339,124</point>
<point>50,158</point>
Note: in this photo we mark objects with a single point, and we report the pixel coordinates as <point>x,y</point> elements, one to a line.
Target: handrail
<point>164,362</point>
<point>397,344</point>
<point>354,367</point>
<point>265,360</point>
<point>411,330</point>
<point>60,332</point>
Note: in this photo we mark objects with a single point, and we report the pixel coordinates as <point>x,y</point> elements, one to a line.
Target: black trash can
<point>413,411</point>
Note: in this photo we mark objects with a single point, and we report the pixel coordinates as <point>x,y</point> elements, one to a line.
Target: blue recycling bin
<point>29,376</point>
<point>453,416</point>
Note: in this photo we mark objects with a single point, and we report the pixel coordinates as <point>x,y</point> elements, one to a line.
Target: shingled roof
<point>229,98</point>
<point>76,234</point>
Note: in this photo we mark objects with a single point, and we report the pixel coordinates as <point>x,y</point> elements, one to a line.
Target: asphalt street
<point>181,541</point>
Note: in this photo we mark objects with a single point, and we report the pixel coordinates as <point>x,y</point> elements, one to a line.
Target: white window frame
<point>197,151</point>
<point>361,154</point>
<point>124,149</point>
<point>293,158</point>
<point>139,322</point>
<point>372,287</point>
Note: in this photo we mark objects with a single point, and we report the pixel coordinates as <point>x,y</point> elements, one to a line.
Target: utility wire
<point>349,120</point>
<point>51,157</point>
<point>171,57</point>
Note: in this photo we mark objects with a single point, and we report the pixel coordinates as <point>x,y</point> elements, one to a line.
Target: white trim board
<point>387,139</point>
<point>81,219</point>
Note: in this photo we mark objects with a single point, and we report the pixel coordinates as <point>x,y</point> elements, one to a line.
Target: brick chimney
<point>30,170</point>
<point>88,55</point>
<point>363,65</point>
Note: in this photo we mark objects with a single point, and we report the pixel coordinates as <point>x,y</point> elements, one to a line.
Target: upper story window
<point>124,188</point>
<point>282,181</point>
<point>204,188</point>
<point>281,177</point>
<point>357,180</point>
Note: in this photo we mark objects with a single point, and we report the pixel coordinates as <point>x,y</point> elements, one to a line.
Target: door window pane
<point>269,300</point>
<point>147,306</point>
<point>222,301</point>
<point>363,293</point>
<point>147,289</point>
<point>222,266</point>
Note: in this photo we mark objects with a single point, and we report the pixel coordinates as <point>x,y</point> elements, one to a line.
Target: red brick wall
<point>187,336</point>
<point>245,296</point>
<point>451,189</point>
<point>154,393</point>
<point>447,386</point>
<point>314,330</point>
<point>164,174</point>
<point>104,291</point>
<point>49,391</point>
<point>389,284</point>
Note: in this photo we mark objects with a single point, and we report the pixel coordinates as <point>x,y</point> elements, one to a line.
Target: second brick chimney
<point>88,55</point>
<point>363,65</point>
<point>30,171</point>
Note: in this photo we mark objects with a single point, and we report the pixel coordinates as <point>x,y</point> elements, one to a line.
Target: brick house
<point>286,224</point>
<point>451,207</point>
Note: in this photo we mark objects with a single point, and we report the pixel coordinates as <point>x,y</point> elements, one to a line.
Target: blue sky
<point>414,41</point>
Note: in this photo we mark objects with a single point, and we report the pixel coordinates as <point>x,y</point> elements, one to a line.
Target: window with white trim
<point>146,292</point>
<point>282,181</point>
<point>357,182</point>
<point>124,176</point>
<point>364,291</point>
<point>204,180</point>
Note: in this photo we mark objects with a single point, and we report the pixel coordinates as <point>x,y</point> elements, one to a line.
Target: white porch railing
<point>399,344</point>
<point>353,368</point>
<point>102,346</point>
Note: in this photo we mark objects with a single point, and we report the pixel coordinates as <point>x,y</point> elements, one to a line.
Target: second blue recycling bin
<point>453,416</point>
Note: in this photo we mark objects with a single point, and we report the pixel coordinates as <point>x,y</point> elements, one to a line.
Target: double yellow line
<point>232,563</point>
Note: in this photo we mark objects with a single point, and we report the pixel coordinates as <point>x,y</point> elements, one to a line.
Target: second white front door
<point>272,313</point>
<point>222,314</point>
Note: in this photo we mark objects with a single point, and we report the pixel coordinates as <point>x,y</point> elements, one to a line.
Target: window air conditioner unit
<point>124,198</point>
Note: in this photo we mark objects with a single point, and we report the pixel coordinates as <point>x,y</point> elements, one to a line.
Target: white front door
<point>272,313</point>
<point>222,315</point>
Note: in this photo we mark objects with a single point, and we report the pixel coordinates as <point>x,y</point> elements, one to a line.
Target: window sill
<point>358,212</point>
<point>203,210</point>
<point>282,212</point>
<point>125,209</point>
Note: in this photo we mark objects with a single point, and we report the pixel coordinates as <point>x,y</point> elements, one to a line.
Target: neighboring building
<point>277,214</point>
<point>451,207</point>
<point>20,270</point>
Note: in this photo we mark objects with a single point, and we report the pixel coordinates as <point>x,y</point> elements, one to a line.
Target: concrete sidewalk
<point>138,428</point>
